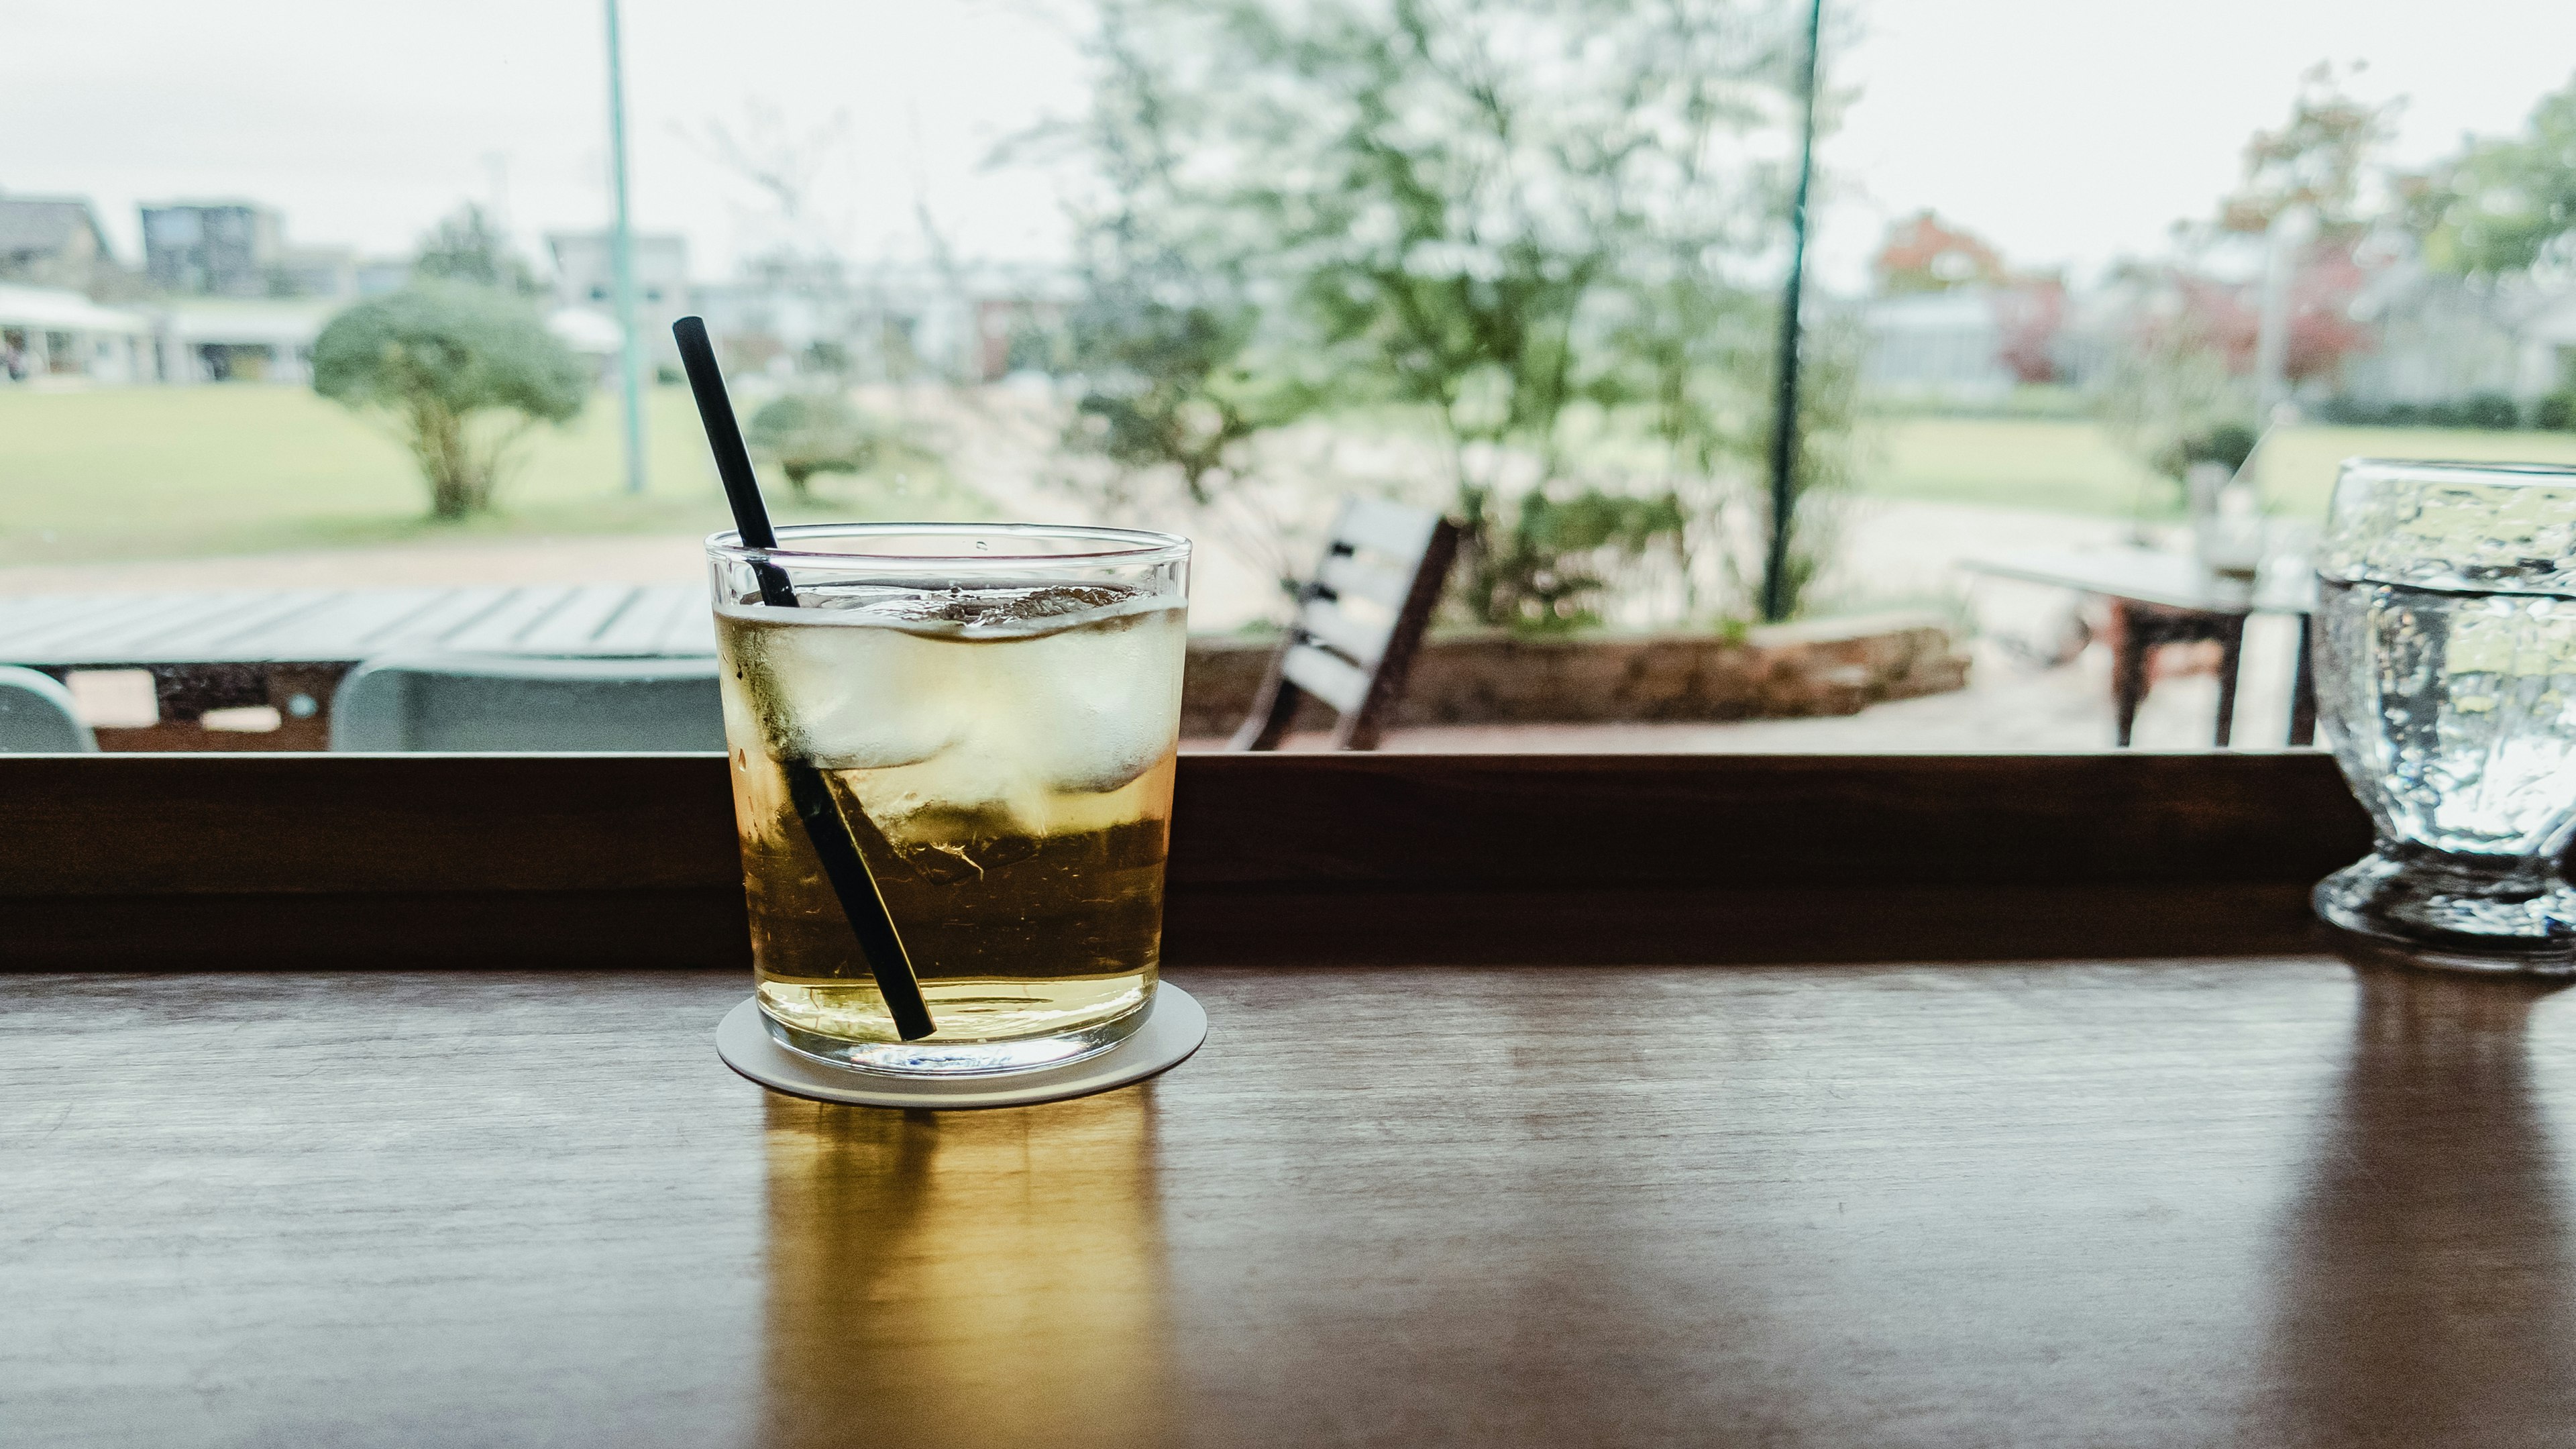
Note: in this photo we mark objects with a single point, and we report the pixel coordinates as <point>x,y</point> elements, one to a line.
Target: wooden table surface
<point>344,626</point>
<point>2271,1201</point>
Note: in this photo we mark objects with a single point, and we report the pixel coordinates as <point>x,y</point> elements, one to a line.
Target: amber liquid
<point>1013,790</point>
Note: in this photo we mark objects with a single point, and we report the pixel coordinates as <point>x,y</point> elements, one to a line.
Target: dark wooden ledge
<point>606,860</point>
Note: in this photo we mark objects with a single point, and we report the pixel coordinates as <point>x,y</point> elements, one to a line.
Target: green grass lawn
<point>2070,467</point>
<point>164,472</point>
<point>154,472</point>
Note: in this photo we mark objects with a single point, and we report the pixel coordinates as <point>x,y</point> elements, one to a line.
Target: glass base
<point>933,1058</point>
<point>2462,912</point>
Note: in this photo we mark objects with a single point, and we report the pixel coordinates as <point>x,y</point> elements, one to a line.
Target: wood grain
<point>1276,859</point>
<point>2261,1201</point>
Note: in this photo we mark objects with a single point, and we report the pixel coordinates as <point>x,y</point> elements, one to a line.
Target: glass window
<point>2077,354</point>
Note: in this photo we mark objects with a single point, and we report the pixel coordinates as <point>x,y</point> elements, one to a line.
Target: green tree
<point>1470,212</point>
<point>462,372</point>
<point>2506,206</point>
<point>467,248</point>
<point>2320,159</point>
<point>810,433</point>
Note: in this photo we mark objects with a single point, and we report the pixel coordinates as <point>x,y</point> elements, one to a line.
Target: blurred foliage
<point>1530,221</point>
<point>2507,205</point>
<point>805,433</point>
<point>462,371</point>
<point>1548,567</point>
<point>2226,444</point>
<point>2318,161</point>
<point>467,248</point>
<point>2168,392</point>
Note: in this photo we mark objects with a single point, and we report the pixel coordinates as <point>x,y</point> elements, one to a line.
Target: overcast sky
<point>2065,132</point>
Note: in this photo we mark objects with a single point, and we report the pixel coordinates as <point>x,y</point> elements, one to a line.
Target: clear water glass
<point>2446,687</point>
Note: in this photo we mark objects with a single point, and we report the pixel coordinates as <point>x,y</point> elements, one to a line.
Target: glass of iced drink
<point>996,708</point>
<point>2446,686</point>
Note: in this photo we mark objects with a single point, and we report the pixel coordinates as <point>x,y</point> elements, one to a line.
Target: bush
<point>2226,444</point>
<point>464,372</point>
<point>1546,570</point>
<point>810,433</point>
<point>2556,412</point>
<point>2491,410</point>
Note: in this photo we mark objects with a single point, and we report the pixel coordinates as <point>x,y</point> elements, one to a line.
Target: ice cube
<point>948,843</point>
<point>1102,699</point>
<point>990,609</point>
<point>850,697</point>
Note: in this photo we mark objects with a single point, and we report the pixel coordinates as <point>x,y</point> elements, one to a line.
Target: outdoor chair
<point>37,717</point>
<point>1358,623</point>
<point>528,702</point>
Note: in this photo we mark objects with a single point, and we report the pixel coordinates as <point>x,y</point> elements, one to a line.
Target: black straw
<point>827,822</point>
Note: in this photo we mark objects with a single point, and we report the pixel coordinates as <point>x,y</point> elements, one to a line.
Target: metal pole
<point>1784,414</point>
<point>621,251</point>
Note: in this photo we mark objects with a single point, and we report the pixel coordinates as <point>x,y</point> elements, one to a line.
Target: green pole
<point>621,252</point>
<point>1784,406</point>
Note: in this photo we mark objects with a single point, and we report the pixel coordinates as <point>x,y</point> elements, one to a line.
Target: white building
<point>887,321</point>
<point>223,340</point>
<point>46,332</point>
<point>2442,339</point>
<point>586,280</point>
<point>1942,345</point>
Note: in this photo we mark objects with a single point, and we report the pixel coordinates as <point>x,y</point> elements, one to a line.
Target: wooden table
<point>288,648</point>
<point>2268,1201</point>
<point>2159,598</point>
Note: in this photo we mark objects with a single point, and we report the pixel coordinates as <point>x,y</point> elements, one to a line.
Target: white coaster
<point>1174,1026</point>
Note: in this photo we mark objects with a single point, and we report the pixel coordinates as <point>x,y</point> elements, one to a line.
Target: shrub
<point>810,433</point>
<point>2492,410</point>
<point>464,372</point>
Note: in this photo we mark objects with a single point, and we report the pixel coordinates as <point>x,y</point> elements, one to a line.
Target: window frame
<point>165,861</point>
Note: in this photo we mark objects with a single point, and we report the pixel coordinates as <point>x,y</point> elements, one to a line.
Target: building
<point>240,339</point>
<point>211,248</point>
<point>889,321</point>
<point>586,280</point>
<point>1945,346</point>
<point>52,241</point>
<point>56,333</point>
<point>2441,339</point>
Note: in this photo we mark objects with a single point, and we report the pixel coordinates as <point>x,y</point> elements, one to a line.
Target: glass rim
<point>1120,545</point>
<point>2440,467</point>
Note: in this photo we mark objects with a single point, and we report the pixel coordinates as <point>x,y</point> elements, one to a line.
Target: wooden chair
<point>527,702</point>
<point>1358,623</point>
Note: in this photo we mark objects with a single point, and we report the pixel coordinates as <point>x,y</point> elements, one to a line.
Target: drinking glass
<point>2446,686</point>
<point>996,709</point>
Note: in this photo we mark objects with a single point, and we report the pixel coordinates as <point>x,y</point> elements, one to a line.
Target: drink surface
<point>2453,710</point>
<point>1010,751</point>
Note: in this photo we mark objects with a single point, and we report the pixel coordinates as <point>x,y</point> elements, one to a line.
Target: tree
<point>467,248</point>
<point>810,433</point>
<point>1479,213</point>
<point>2506,206</point>
<point>463,373</point>
<point>1922,255</point>
<point>2319,160</point>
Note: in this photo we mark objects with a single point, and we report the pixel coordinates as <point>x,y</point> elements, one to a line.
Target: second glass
<point>2446,685</point>
<point>997,708</point>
